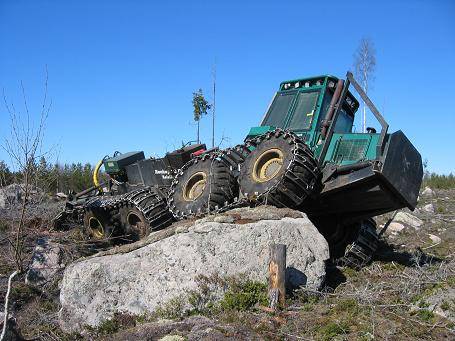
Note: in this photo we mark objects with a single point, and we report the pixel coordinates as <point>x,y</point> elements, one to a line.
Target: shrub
<point>333,329</point>
<point>439,181</point>
<point>244,295</point>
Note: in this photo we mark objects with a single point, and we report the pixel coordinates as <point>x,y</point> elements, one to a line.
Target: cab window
<point>279,109</point>
<point>344,121</point>
<point>304,111</point>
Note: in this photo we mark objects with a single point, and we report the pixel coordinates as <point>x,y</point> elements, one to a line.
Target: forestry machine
<point>304,155</point>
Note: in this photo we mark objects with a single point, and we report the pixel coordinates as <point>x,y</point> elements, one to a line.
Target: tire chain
<point>359,253</point>
<point>232,157</point>
<point>137,199</point>
<point>301,154</point>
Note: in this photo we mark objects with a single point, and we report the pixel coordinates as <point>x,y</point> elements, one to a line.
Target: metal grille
<point>350,150</point>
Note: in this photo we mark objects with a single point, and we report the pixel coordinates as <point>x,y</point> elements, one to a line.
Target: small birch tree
<point>24,147</point>
<point>364,67</point>
<point>200,108</point>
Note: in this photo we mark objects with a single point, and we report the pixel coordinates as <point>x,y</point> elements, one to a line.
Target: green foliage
<point>243,296</point>
<point>347,305</point>
<point>445,305</point>
<point>172,309</point>
<point>333,329</point>
<point>120,321</point>
<point>425,315</point>
<point>53,178</point>
<point>6,176</point>
<point>3,226</point>
<point>22,293</point>
<point>438,181</point>
<point>200,105</point>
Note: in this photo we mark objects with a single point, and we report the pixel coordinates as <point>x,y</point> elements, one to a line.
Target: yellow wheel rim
<point>96,228</point>
<point>195,186</point>
<point>268,165</point>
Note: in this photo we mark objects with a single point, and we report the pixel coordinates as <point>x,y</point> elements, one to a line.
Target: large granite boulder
<point>139,280</point>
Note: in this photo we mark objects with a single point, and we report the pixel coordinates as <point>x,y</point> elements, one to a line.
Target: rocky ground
<point>407,292</point>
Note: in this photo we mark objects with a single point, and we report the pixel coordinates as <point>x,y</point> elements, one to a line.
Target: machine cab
<point>301,105</point>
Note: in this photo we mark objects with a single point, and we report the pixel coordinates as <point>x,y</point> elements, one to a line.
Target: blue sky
<point>122,73</point>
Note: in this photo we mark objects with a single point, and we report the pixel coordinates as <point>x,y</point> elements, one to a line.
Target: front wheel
<point>281,170</point>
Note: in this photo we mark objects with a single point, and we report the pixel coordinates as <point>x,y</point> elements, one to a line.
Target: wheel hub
<point>268,165</point>
<point>195,186</point>
<point>137,224</point>
<point>96,228</point>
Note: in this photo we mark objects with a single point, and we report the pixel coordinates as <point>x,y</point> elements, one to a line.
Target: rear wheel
<point>134,223</point>
<point>97,224</point>
<point>204,184</point>
<point>281,170</point>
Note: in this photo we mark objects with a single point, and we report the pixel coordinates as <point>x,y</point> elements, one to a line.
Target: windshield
<point>304,110</point>
<point>279,110</point>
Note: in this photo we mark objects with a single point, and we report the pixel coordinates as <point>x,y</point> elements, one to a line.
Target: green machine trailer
<point>304,155</point>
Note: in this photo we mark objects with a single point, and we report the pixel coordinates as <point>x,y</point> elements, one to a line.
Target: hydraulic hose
<point>96,172</point>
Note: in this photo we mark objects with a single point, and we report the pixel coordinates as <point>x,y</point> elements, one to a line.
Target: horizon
<point>121,77</point>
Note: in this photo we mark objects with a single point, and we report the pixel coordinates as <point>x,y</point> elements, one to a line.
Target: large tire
<point>98,225</point>
<point>361,251</point>
<point>281,170</point>
<point>338,236</point>
<point>134,223</point>
<point>204,184</point>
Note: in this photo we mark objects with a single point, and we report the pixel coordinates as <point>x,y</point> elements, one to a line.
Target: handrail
<point>328,138</point>
<point>374,110</point>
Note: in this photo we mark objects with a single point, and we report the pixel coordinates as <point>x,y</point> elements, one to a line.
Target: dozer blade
<point>391,182</point>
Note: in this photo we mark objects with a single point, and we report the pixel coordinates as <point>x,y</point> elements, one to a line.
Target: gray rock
<point>173,338</point>
<point>144,279</point>
<point>435,239</point>
<point>427,192</point>
<point>61,195</point>
<point>46,262</point>
<point>408,219</point>
<point>429,208</point>
<point>224,219</point>
<point>2,200</point>
<point>395,227</point>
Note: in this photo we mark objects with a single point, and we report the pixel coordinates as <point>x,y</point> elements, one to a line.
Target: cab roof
<point>318,82</point>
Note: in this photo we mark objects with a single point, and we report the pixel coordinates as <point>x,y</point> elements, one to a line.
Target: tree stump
<point>277,275</point>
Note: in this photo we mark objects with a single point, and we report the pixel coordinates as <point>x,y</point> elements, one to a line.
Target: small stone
<point>172,338</point>
<point>227,219</point>
<point>395,227</point>
<point>181,229</point>
<point>61,195</point>
<point>434,239</point>
<point>408,219</point>
<point>428,208</point>
<point>46,262</point>
<point>427,192</point>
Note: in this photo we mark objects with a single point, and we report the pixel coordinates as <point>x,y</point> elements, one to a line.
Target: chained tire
<point>98,225</point>
<point>205,184</point>
<point>280,170</point>
<point>338,236</point>
<point>361,250</point>
<point>134,223</point>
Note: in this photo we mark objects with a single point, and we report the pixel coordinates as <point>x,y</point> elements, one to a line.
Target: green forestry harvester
<point>304,156</point>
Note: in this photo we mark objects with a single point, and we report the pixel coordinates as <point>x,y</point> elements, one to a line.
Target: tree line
<point>52,177</point>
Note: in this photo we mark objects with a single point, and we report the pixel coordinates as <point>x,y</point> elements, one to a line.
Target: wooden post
<point>277,275</point>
